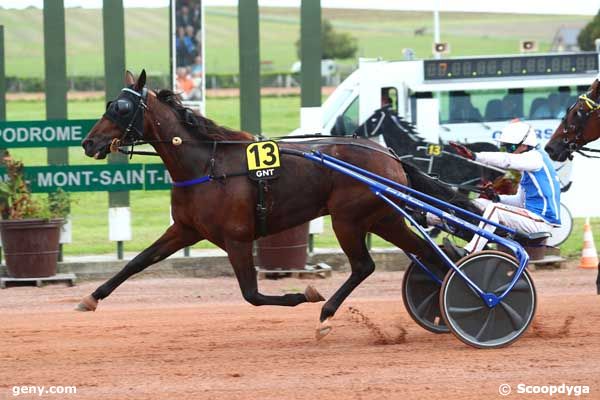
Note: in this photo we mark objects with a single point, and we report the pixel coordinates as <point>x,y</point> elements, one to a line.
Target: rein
<point>589,150</point>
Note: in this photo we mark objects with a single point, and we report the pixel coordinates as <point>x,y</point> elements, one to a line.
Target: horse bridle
<point>578,125</point>
<point>127,112</point>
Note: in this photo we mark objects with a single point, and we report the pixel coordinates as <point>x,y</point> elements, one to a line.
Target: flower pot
<point>31,246</point>
<point>284,250</point>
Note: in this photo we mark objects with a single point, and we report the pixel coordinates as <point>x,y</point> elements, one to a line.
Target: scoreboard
<point>495,67</point>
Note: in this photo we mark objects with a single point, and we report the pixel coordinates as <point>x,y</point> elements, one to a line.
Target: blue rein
<point>192,182</point>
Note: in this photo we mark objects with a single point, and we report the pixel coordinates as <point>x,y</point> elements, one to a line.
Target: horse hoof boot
<point>313,295</point>
<point>323,329</point>
<point>88,303</point>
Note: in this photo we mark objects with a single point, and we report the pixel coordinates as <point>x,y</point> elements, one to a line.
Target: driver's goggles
<point>508,147</point>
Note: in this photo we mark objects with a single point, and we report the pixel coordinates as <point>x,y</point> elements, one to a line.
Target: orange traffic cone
<point>589,256</point>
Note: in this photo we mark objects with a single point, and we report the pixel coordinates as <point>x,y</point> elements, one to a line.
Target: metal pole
<point>119,250</point>
<point>2,91</point>
<point>55,58</point>
<point>311,118</point>
<point>113,20</point>
<point>436,26</point>
<point>311,51</point>
<point>55,71</point>
<point>2,77</point>
<point>249,66</point>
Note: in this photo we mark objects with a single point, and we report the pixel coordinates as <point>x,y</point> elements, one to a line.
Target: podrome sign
<point>47,133</point>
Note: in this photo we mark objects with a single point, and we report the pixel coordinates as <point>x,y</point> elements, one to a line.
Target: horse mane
<point>424,183</point>
<point>408,127</point>
<point>198,125</point>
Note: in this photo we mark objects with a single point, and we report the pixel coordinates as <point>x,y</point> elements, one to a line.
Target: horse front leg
<point>175,238</point>
<point>240,256</point>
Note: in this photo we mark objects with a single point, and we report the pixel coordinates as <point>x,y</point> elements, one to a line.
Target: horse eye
<point>108,104</point>
<point>123,107</point>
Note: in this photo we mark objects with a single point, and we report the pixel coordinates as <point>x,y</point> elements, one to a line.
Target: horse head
<point>123,121</point>
<point>580,125</point>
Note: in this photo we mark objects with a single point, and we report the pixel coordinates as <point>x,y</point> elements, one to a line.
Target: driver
<point>536,205</point>
<point>371,127</point>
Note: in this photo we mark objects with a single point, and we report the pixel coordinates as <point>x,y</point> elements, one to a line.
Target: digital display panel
<point>496,67</point>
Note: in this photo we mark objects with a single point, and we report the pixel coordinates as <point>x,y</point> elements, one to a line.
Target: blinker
<point>127,112</point>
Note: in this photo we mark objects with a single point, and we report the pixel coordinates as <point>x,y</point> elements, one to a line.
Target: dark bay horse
<point>402,137</point>
<point>223,210</point>
<point>579,126</point>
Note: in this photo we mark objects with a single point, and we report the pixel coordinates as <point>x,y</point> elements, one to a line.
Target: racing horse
<point>212,200</point>
<point>579,126</point>
<point>402,137</point>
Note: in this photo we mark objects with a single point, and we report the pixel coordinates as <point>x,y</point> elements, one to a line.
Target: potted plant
<point>30,228</point>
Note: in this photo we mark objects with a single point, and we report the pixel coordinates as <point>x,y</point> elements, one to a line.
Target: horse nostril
<point>87,144</point>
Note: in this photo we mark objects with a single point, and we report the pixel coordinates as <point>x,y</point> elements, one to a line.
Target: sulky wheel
<point>470,319</point>
<point>562,232</point>
<point>421,296</point>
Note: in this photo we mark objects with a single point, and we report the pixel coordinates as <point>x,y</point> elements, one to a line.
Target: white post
<point>119,227</point>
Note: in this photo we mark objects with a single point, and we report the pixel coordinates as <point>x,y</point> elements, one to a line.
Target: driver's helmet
<point>517,133</point>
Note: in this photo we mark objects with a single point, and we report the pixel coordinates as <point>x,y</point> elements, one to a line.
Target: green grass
<point>380,34</point>
<point>150,210</point>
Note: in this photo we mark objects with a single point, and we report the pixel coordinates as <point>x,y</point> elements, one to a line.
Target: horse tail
<point>422,182</point>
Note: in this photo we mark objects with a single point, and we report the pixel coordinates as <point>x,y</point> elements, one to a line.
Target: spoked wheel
<point>421,296</point>
<point>465,313</point>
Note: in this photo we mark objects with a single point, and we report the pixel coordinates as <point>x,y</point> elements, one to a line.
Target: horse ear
<point>141,82</point>
<point>129,78</point>
<point>595,87</point>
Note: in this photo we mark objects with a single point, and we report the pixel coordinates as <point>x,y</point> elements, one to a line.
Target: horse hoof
<point>323,329</point>
<point>88,303</point>
<point>312,295</point>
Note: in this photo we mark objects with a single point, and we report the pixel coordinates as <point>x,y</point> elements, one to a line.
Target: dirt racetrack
<point>197,339</point>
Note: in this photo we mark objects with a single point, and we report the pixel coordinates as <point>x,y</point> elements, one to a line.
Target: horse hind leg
<point>352,241</point>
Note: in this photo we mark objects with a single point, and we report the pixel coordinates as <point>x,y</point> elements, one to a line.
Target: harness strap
<point>261,209</point>
<point>207,178</point>
<point>192,182</point>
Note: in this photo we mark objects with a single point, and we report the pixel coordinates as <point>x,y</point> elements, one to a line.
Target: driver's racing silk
<point>539,189</point>
<point>542,191</point>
